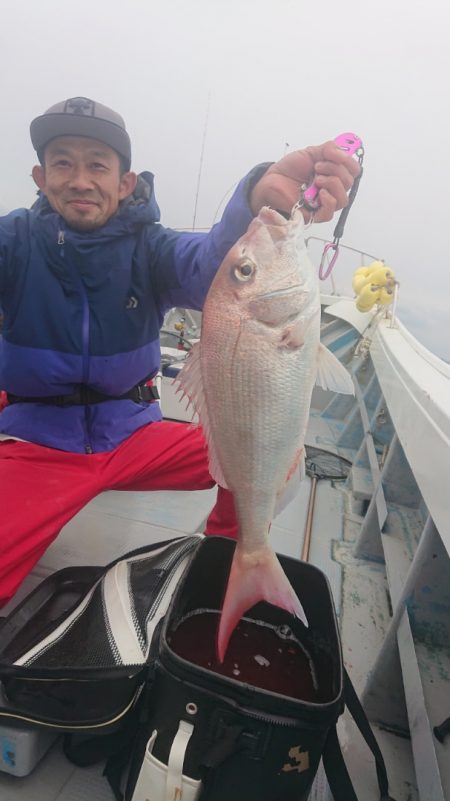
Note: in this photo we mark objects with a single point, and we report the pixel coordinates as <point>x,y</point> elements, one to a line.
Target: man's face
<point>82,181</point>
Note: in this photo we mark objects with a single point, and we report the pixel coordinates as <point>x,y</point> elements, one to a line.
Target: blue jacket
<point>87,307</point>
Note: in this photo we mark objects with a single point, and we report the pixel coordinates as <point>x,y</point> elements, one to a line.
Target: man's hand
<point>332,169</point>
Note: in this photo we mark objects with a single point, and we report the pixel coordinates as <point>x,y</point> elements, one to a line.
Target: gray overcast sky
<point>276,73</point>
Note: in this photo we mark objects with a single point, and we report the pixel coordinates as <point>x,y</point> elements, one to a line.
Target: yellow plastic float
<point>373,285</point>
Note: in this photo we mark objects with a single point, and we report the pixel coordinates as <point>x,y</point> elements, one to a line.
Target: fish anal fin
<point>331,374</point>
<point>256,576</point>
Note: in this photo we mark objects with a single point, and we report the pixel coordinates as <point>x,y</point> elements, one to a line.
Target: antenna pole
<point>202,152</point>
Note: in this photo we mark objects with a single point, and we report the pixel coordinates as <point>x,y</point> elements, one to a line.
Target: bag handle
<point>174,782</point>
<point>335,768</point>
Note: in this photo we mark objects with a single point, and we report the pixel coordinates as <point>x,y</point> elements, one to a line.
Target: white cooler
<point>22,747</point>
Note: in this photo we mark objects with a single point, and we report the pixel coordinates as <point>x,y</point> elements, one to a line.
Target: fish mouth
<point>296,289</point>
<point>271,216</point>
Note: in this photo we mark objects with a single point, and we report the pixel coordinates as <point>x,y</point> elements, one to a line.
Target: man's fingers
<point>334,187</point>
<point>333,170</point>
<point>328,207</point>
<point>332,153</point>
<point>341,171</point>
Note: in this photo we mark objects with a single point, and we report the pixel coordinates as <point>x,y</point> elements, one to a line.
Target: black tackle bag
<point>75,653</point>
<point>123,659</point>
<point>207,736</point>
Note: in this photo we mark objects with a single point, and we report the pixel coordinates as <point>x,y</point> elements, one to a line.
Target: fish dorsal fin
<point>190,383</point>
<point>331,374</point>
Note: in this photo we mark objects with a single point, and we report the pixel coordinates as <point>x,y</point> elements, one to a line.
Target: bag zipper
<point>171,566</point>
<point>278,720</point>
<point>65,726</point>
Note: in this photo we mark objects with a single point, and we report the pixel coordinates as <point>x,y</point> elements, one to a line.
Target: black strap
<point>339,230</point>
<point>333,761</point>
<point>336,770</point>
<point>441,732</point>
<point>84,396</point>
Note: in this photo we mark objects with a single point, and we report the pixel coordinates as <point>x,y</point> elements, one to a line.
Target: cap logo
<point>80,105</point>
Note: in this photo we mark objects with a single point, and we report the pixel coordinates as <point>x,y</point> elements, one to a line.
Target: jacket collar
<point>84,251</point>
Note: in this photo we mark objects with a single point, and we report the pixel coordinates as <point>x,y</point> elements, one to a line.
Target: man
<point>86,276</point>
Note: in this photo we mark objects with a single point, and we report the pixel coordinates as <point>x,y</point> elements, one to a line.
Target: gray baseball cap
<point>80,116</point>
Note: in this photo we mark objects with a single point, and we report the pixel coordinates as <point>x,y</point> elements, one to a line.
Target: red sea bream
<point>250,379</point>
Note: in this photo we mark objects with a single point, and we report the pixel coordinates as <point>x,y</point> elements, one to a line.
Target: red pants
<point>41,489</point>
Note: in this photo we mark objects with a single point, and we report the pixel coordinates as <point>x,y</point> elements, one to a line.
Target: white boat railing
<point>363,254</point>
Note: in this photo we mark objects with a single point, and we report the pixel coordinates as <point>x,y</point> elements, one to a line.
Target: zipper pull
<point>61,237</point>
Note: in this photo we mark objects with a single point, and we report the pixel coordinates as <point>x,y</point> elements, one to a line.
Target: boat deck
<point>371,535</point>
<point>116,522</point>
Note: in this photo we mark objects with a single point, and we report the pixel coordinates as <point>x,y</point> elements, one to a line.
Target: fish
<point>250,379</point>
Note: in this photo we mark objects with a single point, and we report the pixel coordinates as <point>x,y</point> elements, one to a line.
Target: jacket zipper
<point>84,340</point>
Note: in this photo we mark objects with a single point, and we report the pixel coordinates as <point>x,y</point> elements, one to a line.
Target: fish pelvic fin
<point>190,385</point>
<point>331,374</point>
<point>256,576</point>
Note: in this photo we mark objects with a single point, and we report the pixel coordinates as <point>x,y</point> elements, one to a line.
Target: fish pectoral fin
<point>256,576</point>
<point>331,374</point>
<point>190,384</point>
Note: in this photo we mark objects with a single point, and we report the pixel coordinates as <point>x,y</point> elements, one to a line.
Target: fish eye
<point>244,270</point>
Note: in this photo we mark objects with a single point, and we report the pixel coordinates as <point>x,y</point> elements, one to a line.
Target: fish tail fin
<point>254,577</point>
